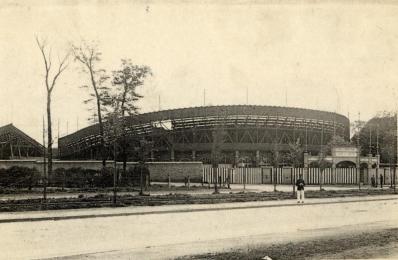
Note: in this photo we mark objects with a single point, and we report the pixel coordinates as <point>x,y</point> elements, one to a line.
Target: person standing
<point>373,181</point>
<point>381,181</point>
<point>300,189</point>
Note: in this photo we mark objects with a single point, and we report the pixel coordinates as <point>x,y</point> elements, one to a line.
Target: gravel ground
<point>365,245</point>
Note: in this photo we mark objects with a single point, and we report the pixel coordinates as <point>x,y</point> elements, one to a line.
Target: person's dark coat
<point>372,179</point>
<point>300,184</point>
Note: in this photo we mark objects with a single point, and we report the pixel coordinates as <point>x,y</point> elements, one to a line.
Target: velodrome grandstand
<point>186,134</point>
<point>15,144</point>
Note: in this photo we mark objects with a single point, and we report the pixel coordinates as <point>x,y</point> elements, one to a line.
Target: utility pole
<point>334,125</point>
<point>204,97</point>
<point>286,96</point>
<point>115,132</point>
<point>44,164</point>
<point>244,177</point>
<point>215,162</point>
<point>322,158</point>
<point>145,147</point>
<point>377,154</point>
<point>114,172</point>
<point>370,140</point>
<point>358,151</point>
<point>377,139</point>
<point>306,138</point>
<point>396,162</point>
<point>58,136</point>
<point>218,136</point>
<point>247,95</point>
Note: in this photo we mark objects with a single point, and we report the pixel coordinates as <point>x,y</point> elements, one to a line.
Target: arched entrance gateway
<point>346,164</point>
<point>347,157</point>
<point>344,157</point>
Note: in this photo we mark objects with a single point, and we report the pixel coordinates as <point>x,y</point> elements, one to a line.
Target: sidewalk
<point>27,216</point>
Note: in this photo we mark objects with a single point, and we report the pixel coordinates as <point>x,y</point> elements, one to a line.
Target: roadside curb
<point>156,212</point>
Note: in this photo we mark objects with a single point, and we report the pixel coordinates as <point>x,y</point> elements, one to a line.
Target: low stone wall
<point>159,170</point>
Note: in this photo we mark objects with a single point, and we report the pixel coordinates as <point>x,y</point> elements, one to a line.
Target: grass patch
<point>105,199</point>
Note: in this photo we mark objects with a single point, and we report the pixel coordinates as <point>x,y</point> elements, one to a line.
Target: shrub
<point>19,177</point>
<point>23,177</point>
<point>104,178</point>
<point>57,178</point>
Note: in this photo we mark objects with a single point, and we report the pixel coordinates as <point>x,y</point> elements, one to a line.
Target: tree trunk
<point>124,139</point>
<point>101,128</point>
<point>124,150</point>
<point>49,138</point>
<point>124,155</point>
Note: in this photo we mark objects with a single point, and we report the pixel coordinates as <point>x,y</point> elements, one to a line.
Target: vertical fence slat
<point>312,176</point>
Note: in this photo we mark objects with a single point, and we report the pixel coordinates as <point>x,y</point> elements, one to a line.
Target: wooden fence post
<point>293,178</point>
<point>244,179</point>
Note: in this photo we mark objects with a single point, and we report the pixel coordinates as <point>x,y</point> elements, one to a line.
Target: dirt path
<point>371,244</point>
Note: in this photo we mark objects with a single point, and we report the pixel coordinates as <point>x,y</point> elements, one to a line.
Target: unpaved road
<point>168,235</point>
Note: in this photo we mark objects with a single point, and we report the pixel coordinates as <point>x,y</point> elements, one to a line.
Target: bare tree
<point>89,56</point>
<point>50,83</point>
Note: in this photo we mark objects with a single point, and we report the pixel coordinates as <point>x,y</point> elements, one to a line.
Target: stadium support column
<point>152,155</point>
<point>11,151</point>
<point>171,141</point>
<point>257,158</point>
<point>306,155</point>
<point>193,155</point>
<point>377,165</point>
<point>236,158</point>
<point>306,165</point>
<point>172,154</point>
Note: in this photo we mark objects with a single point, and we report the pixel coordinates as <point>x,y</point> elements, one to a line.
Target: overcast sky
<point>334,57</point>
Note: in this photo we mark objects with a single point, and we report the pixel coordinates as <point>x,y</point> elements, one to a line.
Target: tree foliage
<point>295,154</point>
<point>335,141</point>
<point>381,130</point>
<point>125,81</point>
<point>122,100</point>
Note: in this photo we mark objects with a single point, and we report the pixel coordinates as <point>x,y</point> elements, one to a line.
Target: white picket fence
<point>290,175</point>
